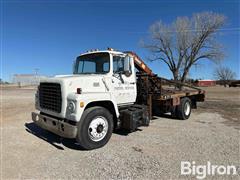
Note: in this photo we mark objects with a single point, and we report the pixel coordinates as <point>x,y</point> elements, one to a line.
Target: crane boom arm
<point>139,63</point>
<point>142,67</point>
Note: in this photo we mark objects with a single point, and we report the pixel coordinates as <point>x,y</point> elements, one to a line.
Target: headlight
<point>71,106</point>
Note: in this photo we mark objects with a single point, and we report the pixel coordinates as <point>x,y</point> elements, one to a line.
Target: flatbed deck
<point>169,94</point>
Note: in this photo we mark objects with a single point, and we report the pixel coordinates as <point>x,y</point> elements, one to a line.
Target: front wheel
<point>95,128</point>
<point>183,110</point>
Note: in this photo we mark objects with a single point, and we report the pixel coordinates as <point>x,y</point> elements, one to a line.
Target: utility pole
<point>36,75</point>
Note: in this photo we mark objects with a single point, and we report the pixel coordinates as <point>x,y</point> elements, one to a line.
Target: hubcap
<point>98,128</point>
<point>187,108</point>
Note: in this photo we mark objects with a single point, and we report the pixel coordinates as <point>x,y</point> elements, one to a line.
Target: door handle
<point>132,83</point>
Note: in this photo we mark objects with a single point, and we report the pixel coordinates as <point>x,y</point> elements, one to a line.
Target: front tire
<point>183,110</point>
<point>95,128</point>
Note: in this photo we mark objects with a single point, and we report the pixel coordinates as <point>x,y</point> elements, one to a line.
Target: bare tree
<point>185,42</point>
<point>224,74</point>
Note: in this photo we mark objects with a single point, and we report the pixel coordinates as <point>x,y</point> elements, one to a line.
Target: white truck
<point>108,90</point>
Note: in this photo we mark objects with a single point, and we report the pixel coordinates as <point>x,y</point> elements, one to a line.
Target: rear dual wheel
<point>183,110</point>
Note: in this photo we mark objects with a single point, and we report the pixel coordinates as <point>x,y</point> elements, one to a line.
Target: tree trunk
<point>185,73</point>
<point>175,75</point>
<point>176,78</point>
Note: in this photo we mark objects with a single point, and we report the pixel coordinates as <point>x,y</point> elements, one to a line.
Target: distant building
<point>205,83</point>
<point>27,79</point>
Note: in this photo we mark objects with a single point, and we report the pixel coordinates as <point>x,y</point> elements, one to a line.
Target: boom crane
<point>153,89</point>
<point>139,63</point>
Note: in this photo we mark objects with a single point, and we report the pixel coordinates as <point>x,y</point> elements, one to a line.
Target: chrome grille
<point>50,96</point>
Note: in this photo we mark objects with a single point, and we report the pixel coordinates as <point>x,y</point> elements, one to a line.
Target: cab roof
<point>102,51</point>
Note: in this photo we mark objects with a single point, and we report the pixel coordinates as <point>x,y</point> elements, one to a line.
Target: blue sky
<point>48,35</point>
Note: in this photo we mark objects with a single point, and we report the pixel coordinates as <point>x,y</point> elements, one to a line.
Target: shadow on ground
<point>59,142</point>
<point>55,140</point>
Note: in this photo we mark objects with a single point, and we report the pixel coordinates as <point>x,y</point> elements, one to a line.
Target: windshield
<point>96,63</point>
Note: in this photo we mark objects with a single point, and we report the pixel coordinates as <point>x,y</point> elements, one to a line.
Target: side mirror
<point>127,65</point>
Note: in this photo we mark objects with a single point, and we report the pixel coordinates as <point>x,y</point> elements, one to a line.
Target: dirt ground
<point>225,101</point>
<point>211,134</point>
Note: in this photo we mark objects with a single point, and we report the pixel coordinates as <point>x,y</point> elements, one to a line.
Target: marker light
<point>110,49</point>
<point>79,90</point>
<point>82,104</point>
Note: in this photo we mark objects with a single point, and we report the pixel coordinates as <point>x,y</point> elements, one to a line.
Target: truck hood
<point>70,83</point>
<point>89,83</point>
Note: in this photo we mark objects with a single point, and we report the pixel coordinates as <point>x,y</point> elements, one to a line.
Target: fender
<point>86,99</point>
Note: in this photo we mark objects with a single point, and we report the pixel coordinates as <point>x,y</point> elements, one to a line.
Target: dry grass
<point>225,101</point>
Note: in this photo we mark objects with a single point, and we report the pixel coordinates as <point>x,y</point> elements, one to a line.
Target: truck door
<point>123,83</point>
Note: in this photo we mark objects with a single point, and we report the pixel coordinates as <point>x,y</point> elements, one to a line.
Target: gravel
<point>153,152</point>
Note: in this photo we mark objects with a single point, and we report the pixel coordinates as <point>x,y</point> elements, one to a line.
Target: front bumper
<point>56,126</point>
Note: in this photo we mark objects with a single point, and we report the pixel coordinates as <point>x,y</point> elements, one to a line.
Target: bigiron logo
<point>202,171</point>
